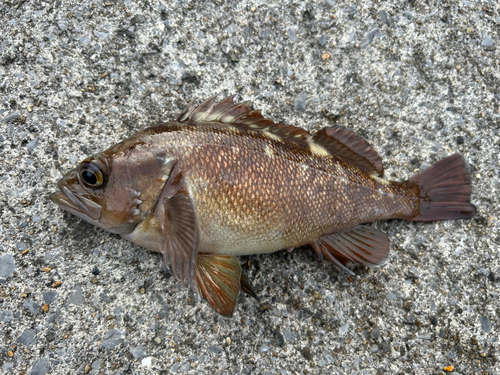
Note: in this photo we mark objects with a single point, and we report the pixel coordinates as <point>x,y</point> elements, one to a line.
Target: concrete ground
<point>419,79</point>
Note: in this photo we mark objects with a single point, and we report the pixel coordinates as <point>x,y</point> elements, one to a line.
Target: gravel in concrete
<point>418,79</point>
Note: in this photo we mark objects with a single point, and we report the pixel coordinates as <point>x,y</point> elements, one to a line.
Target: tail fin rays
<point>445,191</point>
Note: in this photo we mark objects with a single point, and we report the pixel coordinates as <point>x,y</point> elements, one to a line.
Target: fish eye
<point>91,175</point>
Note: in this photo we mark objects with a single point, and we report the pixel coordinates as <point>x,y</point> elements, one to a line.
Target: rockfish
<point>221,180</point>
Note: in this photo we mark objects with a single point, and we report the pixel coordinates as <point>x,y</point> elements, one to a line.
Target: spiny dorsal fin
<point>226,111</point>
<point>351,148</point>
<point>342,143</point>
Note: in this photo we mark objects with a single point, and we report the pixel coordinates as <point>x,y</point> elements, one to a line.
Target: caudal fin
<point>445,191</point>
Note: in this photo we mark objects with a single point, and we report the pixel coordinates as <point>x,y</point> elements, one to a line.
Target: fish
<point>221,180</point>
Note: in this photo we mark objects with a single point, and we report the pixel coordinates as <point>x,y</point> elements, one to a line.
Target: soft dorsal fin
<point>226,111</point>
<point>351,148</point>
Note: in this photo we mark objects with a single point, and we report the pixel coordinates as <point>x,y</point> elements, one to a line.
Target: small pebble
<point>31,306</point>
<point>487,41</point>
<point>485,324</point>
<point>343,330</point>
<point>32,144</point>
<point>27,338</point>
<point>7,266</point>
<point>300,102</point>
<point>138,352</point>
<point>40,367</point>
<point>76,296</point>
<point>214,349</point>
<point>112,339</point>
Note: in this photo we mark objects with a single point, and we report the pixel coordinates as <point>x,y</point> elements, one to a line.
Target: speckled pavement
<point>419,79</point>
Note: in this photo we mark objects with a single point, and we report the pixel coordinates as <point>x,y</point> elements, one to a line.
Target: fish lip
<point>76,204</point>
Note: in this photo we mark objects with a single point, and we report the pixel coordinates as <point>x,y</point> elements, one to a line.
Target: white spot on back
<point>381,180</point>
<point>272,136</point>
<point>269,151</point>
<point>317,149</point>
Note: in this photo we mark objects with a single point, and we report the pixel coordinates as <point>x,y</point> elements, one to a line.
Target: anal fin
<point>219,281</point>
<point>363,245</point>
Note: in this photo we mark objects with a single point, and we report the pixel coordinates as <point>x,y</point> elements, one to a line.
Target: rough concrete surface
<point>418,79</point>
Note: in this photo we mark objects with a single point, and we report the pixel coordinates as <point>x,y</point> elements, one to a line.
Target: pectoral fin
<point>363,245</point>
<point>179,245</point>
<point>218,278</point>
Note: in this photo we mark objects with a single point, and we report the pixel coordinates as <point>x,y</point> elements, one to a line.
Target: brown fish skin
<point>222,181</point>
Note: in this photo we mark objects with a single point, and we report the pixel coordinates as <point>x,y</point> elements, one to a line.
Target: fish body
<point>256,193</point>
<point>222,181</point>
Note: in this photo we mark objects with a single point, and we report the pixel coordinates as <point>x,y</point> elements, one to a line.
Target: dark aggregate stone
<point>214,349</point>
<point>112,339</point>
<point>49,297</point>
<point>300,102</point>
<point>31,306</point>
<point>31,146</point>
<point>369,37</point>
<point>21,246</point>
<point>6,316</point>
<point>280,339</point>
<point>138,352</point>
<point>383,16</point>
<point>40,367</point>
<point>7,266</point>
<point>27,338</point>
<point>76,296</point>
<point>485,324</point>
<point>487,41</point>
<point>306,352</point>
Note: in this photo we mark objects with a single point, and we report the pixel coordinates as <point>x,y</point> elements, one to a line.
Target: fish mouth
<point>76,204</point>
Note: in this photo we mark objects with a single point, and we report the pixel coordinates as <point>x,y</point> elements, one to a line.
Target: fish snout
<point>70,198</point>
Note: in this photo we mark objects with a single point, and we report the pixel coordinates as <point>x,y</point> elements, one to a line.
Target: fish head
<point>117,189</point>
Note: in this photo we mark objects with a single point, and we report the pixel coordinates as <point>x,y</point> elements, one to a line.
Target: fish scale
<point>221,180</point>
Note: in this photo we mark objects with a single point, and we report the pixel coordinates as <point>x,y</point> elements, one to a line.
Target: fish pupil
<point>89,177</point>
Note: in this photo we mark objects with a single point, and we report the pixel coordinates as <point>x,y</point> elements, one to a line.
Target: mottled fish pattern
<point>221,180</point>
